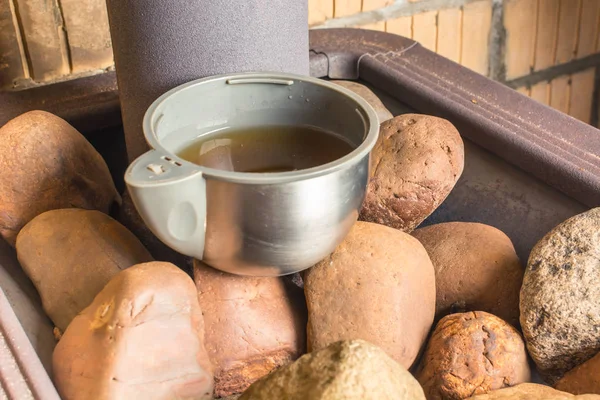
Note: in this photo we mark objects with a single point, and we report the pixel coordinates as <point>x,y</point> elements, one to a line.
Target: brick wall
<point>546,49</point>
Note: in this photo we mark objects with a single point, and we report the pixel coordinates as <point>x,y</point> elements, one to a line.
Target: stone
<point>379,286</point>
<point>414,165</point>
<point>253,325</point>
<point>584,378</point>
<point>560,312</point>
<point>531,391</point>
<point>476,269</point>
<point>47,165</point>
<point>70,254</point>
<point>349,370</point>
<point>472,353</point>
<point>141,338</point>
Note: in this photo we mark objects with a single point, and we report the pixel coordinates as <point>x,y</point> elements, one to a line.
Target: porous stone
<point>349,370</point>
<point>531,391</point>
<point>472,353</point>
<point>413,167</point>
<point>560,312</point>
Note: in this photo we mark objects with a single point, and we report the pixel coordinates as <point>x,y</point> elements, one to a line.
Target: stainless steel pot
<point>263,224</point>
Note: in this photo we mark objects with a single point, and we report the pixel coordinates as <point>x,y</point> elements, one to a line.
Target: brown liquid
<point>266,149</point>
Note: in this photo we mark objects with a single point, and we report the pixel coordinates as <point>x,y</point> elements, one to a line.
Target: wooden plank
<point>588,28</point>
<point>424,29</point>
<point>376,26</point>
<point>13,64</point>
<point>560,93</point>
<point>319,11</point>
<point>547,33</point>
<point>343,8</point>
<point>46,44</point>
<point>582,94</point>
<point>449,31</point>
<point>400,26</point>
<point>368,5</point>
<point>89,34</point>
<point>519,20</point>
<point>477,21</point>
<point>524,90</point>
<point>541,92</point>
<point>568,29</point>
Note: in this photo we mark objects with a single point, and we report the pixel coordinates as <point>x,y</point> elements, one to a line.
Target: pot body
<point>261,224</point>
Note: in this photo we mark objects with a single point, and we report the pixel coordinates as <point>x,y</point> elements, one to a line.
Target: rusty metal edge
<point>89,104</point>
<point>22,375</point>
<point>554,147</point>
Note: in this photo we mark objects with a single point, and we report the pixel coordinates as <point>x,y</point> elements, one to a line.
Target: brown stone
<point>343,370</point>
<point>531,391</point>
<point>382,112</point>
<point>476,269</point>
<point>582,379</point>
<point>560,313</point>
<point>413,167</point>
<point>472,353</point>
<point>48,165</point>
<point>379,286</point>
<point>253,325</point>
<point>141,338</point>
<point>70,255</point>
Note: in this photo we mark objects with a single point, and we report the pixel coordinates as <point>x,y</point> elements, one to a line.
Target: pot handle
<point>170,196</point>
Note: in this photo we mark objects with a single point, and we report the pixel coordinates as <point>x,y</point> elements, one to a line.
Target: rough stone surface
<point>141,338</point>
<point>476,269</point>
<point>531,391</point>
<point>382,112</point>
<point>413,167</point>
<point>472,353</point>
<point>70,254</point>
<point>48,165</point>
<point>253,325</point>
<point>378,286</point>
<point>582,379</point>
<point>344,370</point>
<point>128,216</point>
<point>560,312</point>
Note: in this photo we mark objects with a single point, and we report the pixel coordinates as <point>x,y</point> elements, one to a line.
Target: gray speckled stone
<point>560,307</point>
<point>353,369</point>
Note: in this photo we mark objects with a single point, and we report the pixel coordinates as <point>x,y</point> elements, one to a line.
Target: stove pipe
<point>160,44</point>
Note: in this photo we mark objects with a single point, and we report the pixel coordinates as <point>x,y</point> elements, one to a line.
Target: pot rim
<point>365,110</point>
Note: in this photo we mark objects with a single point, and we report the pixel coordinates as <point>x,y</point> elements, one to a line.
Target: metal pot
<point>263,224</point>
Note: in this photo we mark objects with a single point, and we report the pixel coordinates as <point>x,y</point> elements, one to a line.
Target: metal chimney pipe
<point>160,44</point>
